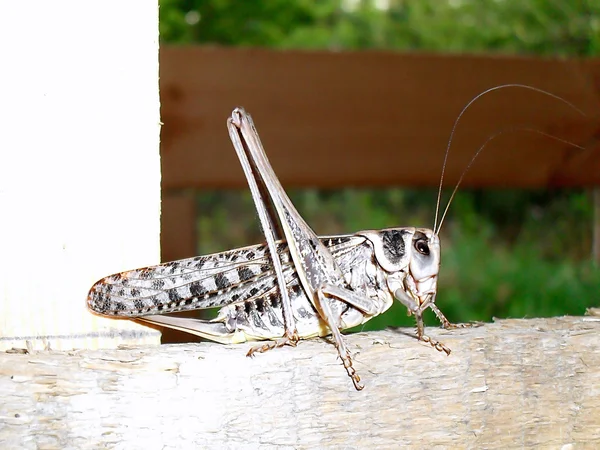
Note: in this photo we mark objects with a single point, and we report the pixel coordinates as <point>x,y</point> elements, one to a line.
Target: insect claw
<point>357,384</point>
<point>352,373</point>
<point>271,345</point>
<point>253,350</point>
<point>454,326</point>
<point>292,338</point>
<point>347,363</point>
<point>440,347</point>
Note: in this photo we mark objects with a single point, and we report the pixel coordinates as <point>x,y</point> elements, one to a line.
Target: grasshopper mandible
<point>295,286</point>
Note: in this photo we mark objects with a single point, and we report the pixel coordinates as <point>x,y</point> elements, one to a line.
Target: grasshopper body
<point>242,282</point>
<point>297,285</point>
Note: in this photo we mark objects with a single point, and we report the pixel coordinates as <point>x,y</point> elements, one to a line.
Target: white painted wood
<point>79,165</point>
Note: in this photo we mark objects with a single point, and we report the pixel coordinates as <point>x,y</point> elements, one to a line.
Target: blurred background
<point>506,252</point>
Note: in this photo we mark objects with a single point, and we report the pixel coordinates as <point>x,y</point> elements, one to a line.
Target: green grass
<point>483,279</point>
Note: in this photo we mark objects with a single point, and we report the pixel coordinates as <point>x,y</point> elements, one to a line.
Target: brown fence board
<point>376,118</point>
<point>178,226</point>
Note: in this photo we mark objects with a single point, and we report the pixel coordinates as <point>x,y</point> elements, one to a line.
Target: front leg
<point>439,346</point>
<point>414,308</point>
<point>446,324</point>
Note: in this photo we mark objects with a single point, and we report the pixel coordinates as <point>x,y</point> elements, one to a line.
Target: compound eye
<point>422,247</point>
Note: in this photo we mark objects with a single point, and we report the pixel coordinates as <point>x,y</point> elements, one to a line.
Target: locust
<point>296,285</point>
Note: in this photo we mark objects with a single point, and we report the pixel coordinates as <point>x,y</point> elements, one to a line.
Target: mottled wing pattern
<point>188,284</point>
<point>210,281</point>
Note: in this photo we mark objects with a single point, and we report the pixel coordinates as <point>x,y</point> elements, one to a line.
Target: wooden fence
<point>331,120</point>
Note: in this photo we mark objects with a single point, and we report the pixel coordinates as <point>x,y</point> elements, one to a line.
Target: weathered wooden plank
<point>375,118</point>
<point>515,383</point>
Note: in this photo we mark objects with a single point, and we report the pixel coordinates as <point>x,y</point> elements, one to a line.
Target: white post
<point>79,165</point>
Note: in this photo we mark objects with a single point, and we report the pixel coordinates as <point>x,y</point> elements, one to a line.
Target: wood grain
<point>334,119</point>
<point>514,383</point>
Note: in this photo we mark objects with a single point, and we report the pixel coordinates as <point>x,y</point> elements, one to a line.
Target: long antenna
<point>492,137</point>
<point>439,196</point>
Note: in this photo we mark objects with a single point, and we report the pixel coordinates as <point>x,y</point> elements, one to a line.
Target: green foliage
<point>506,253</point>
<point>501,257</point>
<point>559,27</point>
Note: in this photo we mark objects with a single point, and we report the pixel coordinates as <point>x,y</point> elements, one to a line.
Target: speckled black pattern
<point>201,282</point>
<point>393,245</point>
